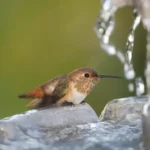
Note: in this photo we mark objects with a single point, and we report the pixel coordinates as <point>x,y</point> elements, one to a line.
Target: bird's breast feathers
<point>75,96</point>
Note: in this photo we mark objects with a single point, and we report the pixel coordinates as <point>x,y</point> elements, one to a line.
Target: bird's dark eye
<point>86,75</point>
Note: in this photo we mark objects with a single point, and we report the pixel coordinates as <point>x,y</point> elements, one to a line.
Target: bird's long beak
<point>109,76</point>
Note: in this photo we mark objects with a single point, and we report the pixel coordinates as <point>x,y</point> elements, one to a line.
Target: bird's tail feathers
<point>35,103</point>
<point>24,96</point>
<point>37,93</point>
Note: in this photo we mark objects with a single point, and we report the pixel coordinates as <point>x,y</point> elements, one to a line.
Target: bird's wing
<point>48,93</point>
<point>56,86</point>
<point>54,90</point>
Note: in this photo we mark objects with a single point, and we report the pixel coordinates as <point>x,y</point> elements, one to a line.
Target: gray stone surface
<point>75,128</point>
<point>124,109</point>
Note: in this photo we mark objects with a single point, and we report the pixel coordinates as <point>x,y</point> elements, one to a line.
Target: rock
<point>124,109</point>
<point>65,128</point>
<point>56,116</point>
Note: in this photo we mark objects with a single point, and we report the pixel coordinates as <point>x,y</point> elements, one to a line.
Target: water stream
<point>104,28</point>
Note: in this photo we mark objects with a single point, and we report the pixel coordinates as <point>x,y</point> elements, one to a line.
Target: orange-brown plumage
<point>37,93</point>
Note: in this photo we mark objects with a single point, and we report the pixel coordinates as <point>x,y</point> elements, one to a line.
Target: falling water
<point>104,28</point>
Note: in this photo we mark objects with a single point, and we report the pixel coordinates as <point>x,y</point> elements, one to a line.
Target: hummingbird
<point>69,88</point>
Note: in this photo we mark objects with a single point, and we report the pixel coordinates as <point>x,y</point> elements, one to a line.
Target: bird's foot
<point>73,105</point>
<point>83,102</point>
<point>68,104</point>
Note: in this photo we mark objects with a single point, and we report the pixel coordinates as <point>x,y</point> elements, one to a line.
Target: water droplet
<point>101,30</point>
<point>129,56</point>
<point>131,38</point>
<point>129,72</point>
<point>140,87</point>
<point>120,56</point>
<point>131,87</point>
<point>137,19</point>
<point>109,49</point>
<point>107,5</point>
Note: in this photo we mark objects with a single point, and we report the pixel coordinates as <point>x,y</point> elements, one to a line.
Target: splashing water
<point>140,88</point>
<point>143,7</point>
<point>104,28</point>
<point>128,67</point>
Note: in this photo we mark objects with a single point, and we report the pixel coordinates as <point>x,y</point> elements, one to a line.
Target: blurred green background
<point>41,39</point>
